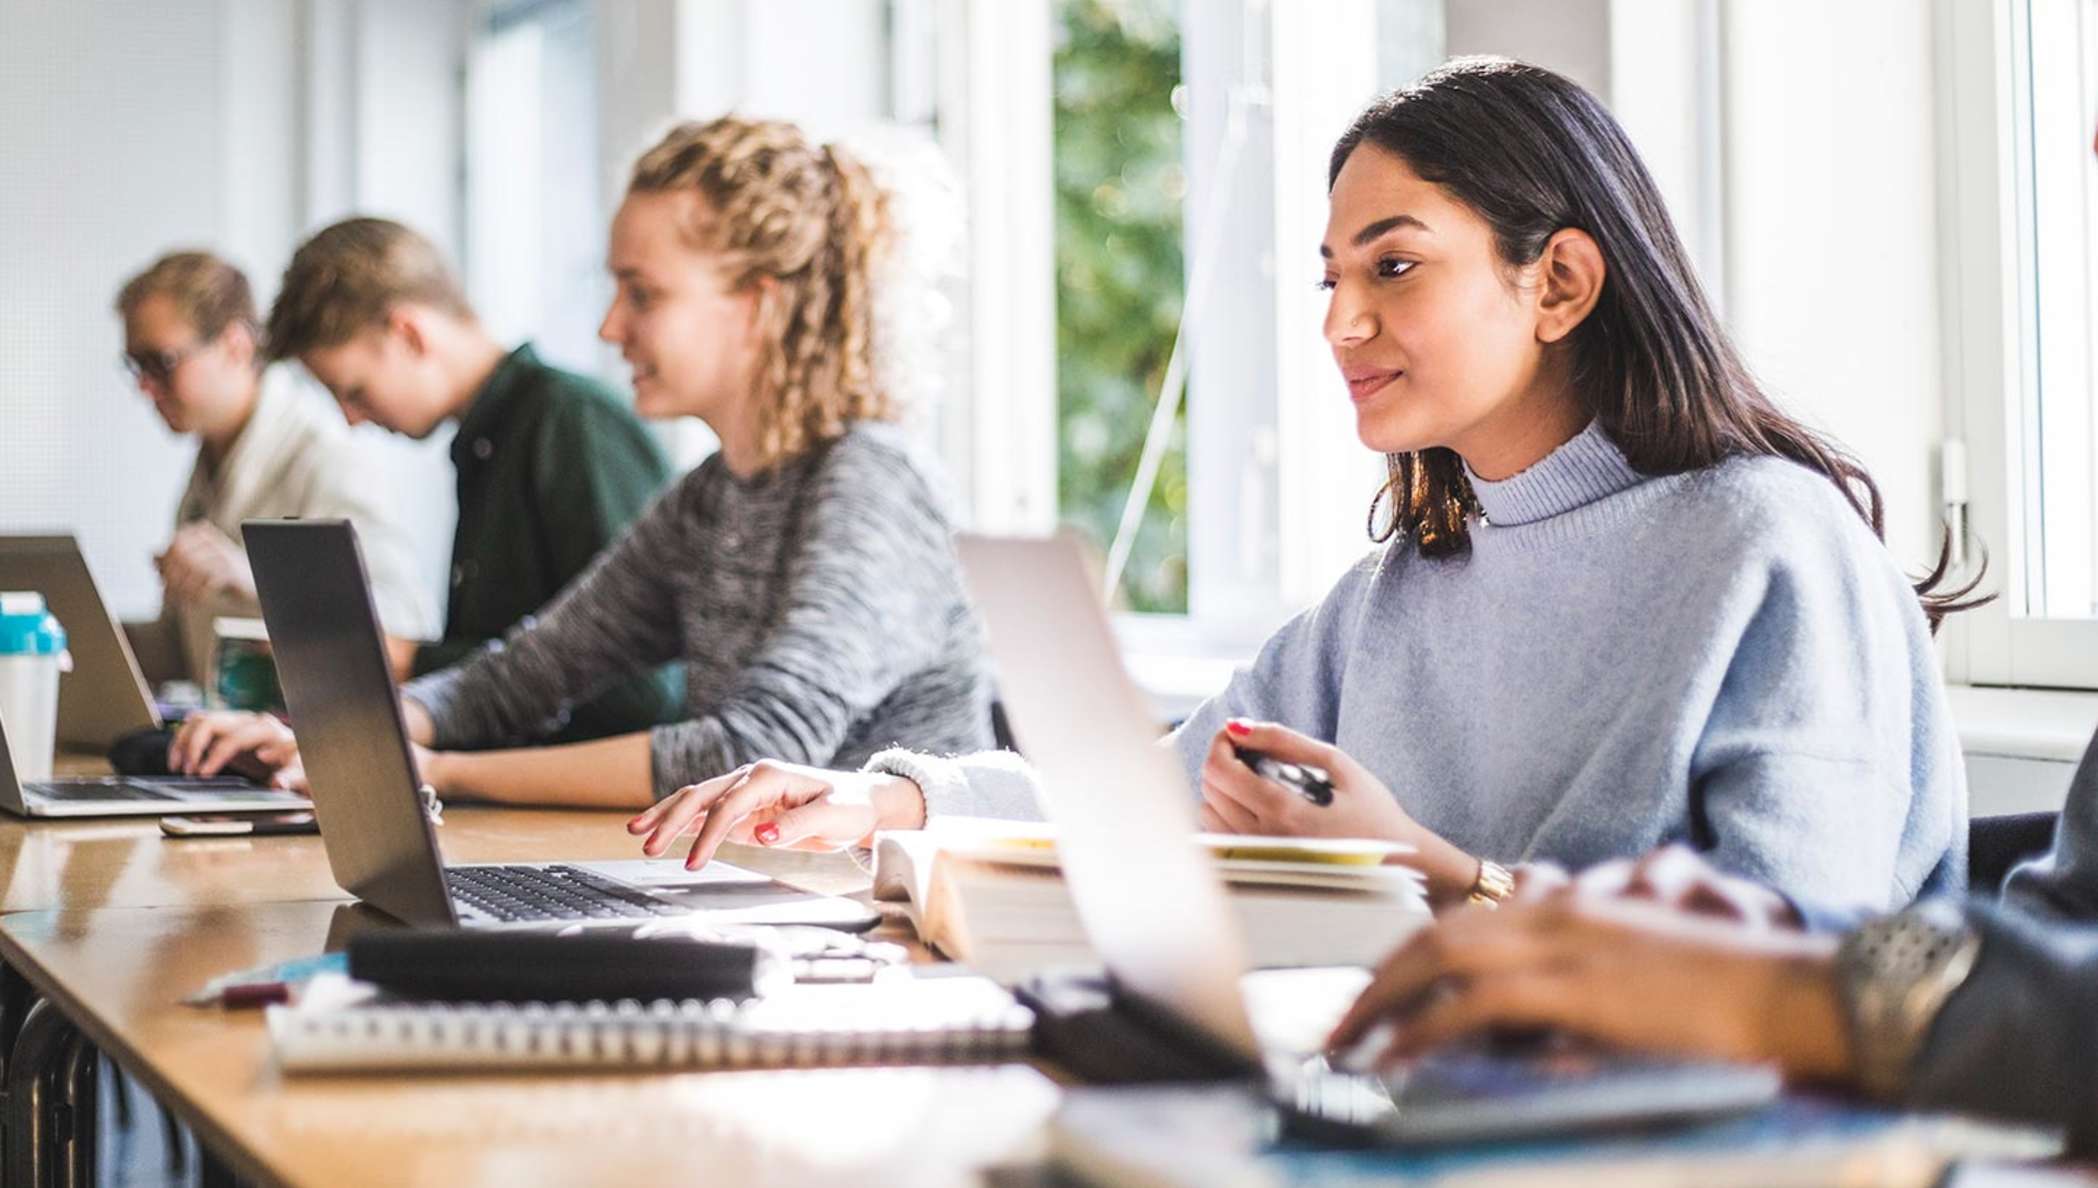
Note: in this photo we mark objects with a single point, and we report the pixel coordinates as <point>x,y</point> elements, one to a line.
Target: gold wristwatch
<point>1493,885</point>
<point>1895,974</point>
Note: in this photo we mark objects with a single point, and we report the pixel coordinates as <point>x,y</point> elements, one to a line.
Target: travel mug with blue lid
<point>32,656</point>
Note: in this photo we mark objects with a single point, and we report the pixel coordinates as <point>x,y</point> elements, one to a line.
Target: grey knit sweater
<point>818,611</point>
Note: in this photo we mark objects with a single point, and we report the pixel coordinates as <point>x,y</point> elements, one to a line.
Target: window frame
<point>994,115</point>
<point>1282,454</point>
<point>1989,355</point>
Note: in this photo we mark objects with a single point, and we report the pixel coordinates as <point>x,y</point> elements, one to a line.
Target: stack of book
<point>991,894</point>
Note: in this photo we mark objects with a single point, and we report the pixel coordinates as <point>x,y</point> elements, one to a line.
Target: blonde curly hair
<point>814,220</point>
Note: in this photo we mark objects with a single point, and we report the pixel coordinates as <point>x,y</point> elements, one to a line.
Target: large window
<point>535,226</point>
<point>2021,203</point>
<point>2054,84</point>
<point>1197,411</point>
<point>1119,280</point>
<point>1145,182</point>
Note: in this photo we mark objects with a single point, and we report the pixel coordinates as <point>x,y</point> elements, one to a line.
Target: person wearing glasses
<point>785,293</point>
<point>266,449</point>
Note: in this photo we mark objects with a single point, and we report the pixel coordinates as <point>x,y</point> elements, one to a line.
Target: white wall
<point>234,125</point>
<point>1831,244</point>
<point>818,63</point>
<point>395,144</point>
<point>1793,140</point>
<point>113,150</point>
<point>1665,89</point>
<point>1569,36</point>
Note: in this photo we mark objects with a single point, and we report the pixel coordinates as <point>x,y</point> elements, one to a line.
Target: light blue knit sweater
<point>1726,658</point>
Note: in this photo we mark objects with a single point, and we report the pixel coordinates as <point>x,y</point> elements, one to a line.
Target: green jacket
<point>552,468</point>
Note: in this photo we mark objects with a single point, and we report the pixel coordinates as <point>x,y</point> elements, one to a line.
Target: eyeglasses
<point>158,366</point>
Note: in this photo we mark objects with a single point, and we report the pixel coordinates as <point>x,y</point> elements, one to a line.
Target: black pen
<point>1312,783</point>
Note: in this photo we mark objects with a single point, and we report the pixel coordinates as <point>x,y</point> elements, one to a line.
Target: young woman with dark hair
<point>1976,1006</point>
<point>1623,599</point>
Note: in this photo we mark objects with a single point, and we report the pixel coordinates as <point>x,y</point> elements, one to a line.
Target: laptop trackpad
<point>730,894</point>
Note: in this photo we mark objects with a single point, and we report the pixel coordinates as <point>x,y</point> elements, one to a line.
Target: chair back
<point>1995,845</point>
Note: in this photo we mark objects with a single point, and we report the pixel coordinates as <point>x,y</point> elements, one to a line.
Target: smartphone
<point>239,824</point>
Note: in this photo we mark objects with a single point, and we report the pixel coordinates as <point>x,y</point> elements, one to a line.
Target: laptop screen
<point>1150,900</point>
<point>331,660</point>
<point>105,697</point>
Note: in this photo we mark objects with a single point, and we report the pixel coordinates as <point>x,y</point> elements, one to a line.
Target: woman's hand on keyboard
<point>1629,973</point>
<point>1678,877</point>
<point>254,745</point>
<point>784,805</point>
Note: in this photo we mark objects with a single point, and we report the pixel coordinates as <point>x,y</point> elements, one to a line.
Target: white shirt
<point>296,457</point>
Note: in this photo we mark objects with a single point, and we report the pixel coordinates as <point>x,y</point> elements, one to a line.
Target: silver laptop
<point>375,823</point>
<point>1155,908</point>
<point>134,796</point>
<point>105,696</point>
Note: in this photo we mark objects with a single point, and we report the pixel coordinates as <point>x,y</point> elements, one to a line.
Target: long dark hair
<point>1533,153</point>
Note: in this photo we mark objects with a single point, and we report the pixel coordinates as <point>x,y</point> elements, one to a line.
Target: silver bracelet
<point>1895,974</point>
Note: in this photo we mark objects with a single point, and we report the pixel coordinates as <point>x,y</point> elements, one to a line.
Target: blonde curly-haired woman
<point>803,575</point>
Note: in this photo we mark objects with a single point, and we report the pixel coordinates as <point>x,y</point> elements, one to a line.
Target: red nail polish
<point>766,833</point>
<point>1237,728</point>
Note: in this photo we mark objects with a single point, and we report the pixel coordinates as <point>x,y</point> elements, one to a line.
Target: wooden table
<point>126,862</point>
<point>119,973</point>
<point>113,923</point>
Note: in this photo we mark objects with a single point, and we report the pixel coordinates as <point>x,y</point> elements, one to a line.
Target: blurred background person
<point>266,449</point>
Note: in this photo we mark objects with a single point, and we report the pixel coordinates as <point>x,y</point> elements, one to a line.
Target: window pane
<point>535,239</point>
<point>1119,185</point>
<point>2055,95</point>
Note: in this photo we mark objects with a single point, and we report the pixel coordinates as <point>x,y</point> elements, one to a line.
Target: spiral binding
<point>933,1023</point>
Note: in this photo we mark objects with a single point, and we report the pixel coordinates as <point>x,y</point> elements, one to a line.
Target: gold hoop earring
<point>1377,501</point>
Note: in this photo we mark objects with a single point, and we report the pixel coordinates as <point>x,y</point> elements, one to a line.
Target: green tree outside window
<point>1120,278</point>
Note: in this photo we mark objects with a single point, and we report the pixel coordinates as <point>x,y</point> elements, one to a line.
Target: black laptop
<point>379,829</point>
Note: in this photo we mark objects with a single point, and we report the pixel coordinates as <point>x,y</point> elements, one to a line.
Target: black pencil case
<point>465,966</point>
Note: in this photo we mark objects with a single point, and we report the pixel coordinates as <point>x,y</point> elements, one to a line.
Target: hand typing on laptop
<point>1636,973</point>
<point>770,803</point>
<point>255,745</point>
<point>1674,876</point>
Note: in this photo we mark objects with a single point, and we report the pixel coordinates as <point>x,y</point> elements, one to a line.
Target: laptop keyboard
<point>125,788</point>
<point>108,789</point>
<point>522,893</point>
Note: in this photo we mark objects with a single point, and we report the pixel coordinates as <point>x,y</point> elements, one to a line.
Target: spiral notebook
<point>340,1025</point>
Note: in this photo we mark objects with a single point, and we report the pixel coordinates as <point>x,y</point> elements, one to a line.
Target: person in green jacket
<point>552,466</point>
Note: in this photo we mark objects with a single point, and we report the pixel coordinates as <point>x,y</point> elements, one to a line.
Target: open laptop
<point>1155,908</point>
<point>105,696</point>
<point>380,839</point>
<point>134,796</point>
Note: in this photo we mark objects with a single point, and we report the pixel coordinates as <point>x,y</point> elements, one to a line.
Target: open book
<point>990,893</point>
<point>341,1025</point>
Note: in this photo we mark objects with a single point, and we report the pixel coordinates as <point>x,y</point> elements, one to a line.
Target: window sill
<point>1175,683</point>
<point>1180,662</point>
<point>2054,725</point>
